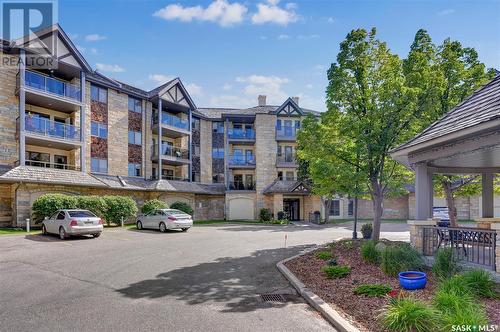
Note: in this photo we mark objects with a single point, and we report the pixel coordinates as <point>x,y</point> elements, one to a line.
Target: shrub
<point>398,258</point>
<point>455,285</point>
<point>118,207</point>
<point>450,301</point>
<point>445,265</point>
<point>324,255</point>
<point>281,215</point>
<point>367,230</point>
<point>373,290</point>
<point>480,283</point>
<point>406,314</point>
<point>46,205</point>
<point>153,204</point>
<point>182,206</point>
<point>470,313</point>
<point>265,215</point>
<point>370,253</point>
<point>336,271</point>
<point>95,204</point>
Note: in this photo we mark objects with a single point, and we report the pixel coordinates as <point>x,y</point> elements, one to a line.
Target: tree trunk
<point>450,201</point>
<point>327,203</point>
<point>377,198</point>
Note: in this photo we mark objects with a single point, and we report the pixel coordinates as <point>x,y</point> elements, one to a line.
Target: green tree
<point>370,110</point>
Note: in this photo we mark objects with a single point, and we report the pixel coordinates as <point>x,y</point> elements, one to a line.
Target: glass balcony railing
<point>237,133</point>
<point>286,159</point>
<point>38,163</point>
<point>241,185</point>
<point>49,128</point>
<point>171,151</point>
<point>241,160</point>
<point>171,120</point>
<point>286,133</point>
<point>52,85</point>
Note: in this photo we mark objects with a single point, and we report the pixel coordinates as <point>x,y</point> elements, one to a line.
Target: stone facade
<point>265,156</point>
<point>206,151</point>
<point>117,133</point>
<point>9,111</point>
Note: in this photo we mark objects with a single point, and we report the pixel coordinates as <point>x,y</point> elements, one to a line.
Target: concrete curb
<point>330,314</point>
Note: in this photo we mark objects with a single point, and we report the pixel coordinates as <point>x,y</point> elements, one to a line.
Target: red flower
<point>394,293</point>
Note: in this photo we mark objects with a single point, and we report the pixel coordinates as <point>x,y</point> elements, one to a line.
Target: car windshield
<point>172,211</point>
<point>81,214</point>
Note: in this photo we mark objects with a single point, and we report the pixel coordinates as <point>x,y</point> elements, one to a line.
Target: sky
<point>227,52</point>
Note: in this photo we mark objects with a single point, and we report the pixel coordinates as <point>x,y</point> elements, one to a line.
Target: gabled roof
<point>289,107</point>
<point>220,112</point>
<point>176,86</point>
<point>290,187</point>
<point>481,107</point>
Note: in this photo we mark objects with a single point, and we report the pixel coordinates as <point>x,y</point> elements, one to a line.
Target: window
<point>297,124</point>
<point>98,165</point>
<point>195,176</point>
<point>288,154</point>
<point>279,152</point>
<point>37,159</point>
<point>98,129</point>
<point>134,137</point>
<point>278,124</point>
<point>290,176</point>
<point>218,153</point>
<point>280,175</point>
<point>335,208</point>
<point>134,105</point>
<point>134,169</point>
<point>218,178</point>
<point>195,124</point>
<point>98,94</point>
<point>60,162</point>
<point>350,208</point>
<point>218,127</point>
<point>61,216</point>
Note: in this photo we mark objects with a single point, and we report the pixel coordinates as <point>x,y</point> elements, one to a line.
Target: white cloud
<point>93,50</point>
<point>227,87</point>
<point>194,89</point>
<point>331,20</point>
<point>109,68</point>
<point>95,37</point>
<point>271,13</point>
<point>271,86</point>
<point>263,37</point>
<point>311,36</point>
<point>446,12</point>
<point>261,79</point>
<point>283,37</point>
<point>309,86</point>
<point>221,12</point>
<point>160,78</point>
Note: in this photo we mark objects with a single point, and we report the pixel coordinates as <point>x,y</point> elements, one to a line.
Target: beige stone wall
<point>206,151</point>
<point>238,195</point>
<point>117,133</point>
<point>277,204</point>
<point>311,204</point>
<point>5,205</point>
<point>208,207</point>
<point>394,208</point>
<point>265,156</point>
<point>9,111</point>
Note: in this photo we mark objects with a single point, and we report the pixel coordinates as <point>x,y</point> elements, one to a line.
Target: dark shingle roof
<point>283,186</point>
<point>482,106</point>
<point>217,113</point>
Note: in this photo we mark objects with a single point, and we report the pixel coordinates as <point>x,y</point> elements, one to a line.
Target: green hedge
<point>184,207</point>
<point>110,208</point>
<point>152,205</point>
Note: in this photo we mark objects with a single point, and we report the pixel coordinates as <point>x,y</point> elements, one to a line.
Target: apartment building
<point>73,130</point>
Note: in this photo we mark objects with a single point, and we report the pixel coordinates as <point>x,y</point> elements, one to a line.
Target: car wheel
<point>44,230</point>
<point>62,233</point>
<point>139,225</point>
<point>163,228</point>
<point>96,234</point>
<point>185,229</point>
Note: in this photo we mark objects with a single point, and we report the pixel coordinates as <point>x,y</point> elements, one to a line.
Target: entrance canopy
<point>465,140</point>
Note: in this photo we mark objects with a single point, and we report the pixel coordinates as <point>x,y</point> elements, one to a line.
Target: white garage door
<point>241,209</point>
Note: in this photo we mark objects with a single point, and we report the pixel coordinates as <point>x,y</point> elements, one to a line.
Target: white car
<point>164,219</point>
<point>72,222</point>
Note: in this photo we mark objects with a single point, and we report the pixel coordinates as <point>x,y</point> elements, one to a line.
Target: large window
<point>60,161</point>
<point>218,178</point>
<point>335,208</point>
<point>218,127</point>
<point>98,94</point>
<point>134,137</point>
<point>98,165</point>
<point>134,105</point>
<point>98,129</point>
<point>350,208</point>
<point>37,159</point>
<point>218,153</point>
<point>134,169</point>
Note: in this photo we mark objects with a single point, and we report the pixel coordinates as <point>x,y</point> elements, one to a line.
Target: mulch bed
<point>361,310</point>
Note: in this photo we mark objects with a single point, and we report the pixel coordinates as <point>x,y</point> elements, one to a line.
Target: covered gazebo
<point>466,140</point>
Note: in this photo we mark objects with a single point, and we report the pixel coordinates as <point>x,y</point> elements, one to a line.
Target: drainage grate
<point>272,298</point>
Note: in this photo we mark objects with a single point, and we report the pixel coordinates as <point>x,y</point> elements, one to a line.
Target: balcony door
<point>288,154</point>
<point>249,156</point>
<point>249,181</point>
<point>238,182</point>
<point>288,128</point>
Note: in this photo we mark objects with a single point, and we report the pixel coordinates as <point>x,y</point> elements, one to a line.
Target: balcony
<point>286,134</point>
<point>52,93</point>
<point>44,164</point>
<point>286,161</point>
<point>173,178</point>
<point>172,126</point>
<point>241,136</point>
<point>241,161</point>
<point>171,154</point>
<point>241,185</point>
<point>44,132</point>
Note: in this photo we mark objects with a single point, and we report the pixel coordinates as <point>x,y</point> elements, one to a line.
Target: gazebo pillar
<point>487,195</point>
<point>423,193</point>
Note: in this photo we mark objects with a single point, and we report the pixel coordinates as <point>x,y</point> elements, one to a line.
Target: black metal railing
<point>241,185</point>
<point>471,245</point>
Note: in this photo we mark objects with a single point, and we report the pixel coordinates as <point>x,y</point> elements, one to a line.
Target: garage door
<point>241,209</point>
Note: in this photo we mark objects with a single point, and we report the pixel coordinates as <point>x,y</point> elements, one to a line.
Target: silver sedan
<point>72,222</point>
<point>164,219</point>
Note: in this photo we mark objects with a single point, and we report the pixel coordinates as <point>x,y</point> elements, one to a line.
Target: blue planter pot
<point>411,280</point>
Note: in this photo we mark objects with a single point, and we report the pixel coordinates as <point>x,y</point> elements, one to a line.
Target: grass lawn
<point>17,231</point>
<point>341,221</point>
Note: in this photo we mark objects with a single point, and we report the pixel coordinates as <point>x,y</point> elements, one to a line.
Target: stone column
<point>190,142</point>
<point>487,195</point>
<point>160,165</point>
<point>423,192</point>
<point>417,233</point>
<point>22,107</point>
<point>82,122</point>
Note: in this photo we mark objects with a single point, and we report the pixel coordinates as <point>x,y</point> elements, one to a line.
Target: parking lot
<point>207,279</point>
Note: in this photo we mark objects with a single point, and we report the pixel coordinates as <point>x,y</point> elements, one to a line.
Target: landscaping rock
<point>380,246</point>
